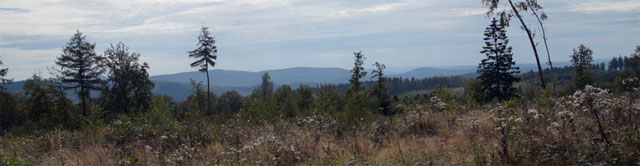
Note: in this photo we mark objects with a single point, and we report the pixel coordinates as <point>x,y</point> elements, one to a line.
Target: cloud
<point>595,6</point>
<point>23,63</point>
<point>252,33</point>
<point>14,10</point>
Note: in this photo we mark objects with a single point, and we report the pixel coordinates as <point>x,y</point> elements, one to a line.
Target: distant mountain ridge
<point>178,85</point>
<point>232,78</point>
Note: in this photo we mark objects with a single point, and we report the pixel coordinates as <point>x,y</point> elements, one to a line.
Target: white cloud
<point>596,6</point>
<point>23,63</point>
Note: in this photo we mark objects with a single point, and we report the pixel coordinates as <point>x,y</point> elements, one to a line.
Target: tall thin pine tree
<point>206,53</point>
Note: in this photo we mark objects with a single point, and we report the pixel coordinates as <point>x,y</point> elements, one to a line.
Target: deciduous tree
<point>129,87</point>
<point>581,60</point>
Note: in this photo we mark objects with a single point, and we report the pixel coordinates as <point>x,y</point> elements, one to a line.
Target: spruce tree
<point>613,64</point>
<point>355,85</point>
<point>380,91</point>
<point>3,73</point>
<point>514,10</point>
<point>80,68</point>
<point>206,53</point>
<point>497,70</point>
<point>357,99</point>
<point>265,89</point>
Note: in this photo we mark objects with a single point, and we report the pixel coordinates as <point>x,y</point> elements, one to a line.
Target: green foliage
<point>475,93</point>
<point>206,53</point>
<point>581,59</point>
<point>261,110</point>
<point>197,101</point>
<point>357,73</point>
<point>230,103</point>
<point>265,89</point>
<point>3,73</point>
<point>80,68</point>
<point>10,116</point>
<point>286,101</point>
<point>46,104</point>
<point>305,99</point>
<point>357,109</point>
<point>380,91</point>
<point>498,69</point>
<point>329,100</point>
<point>129,89</point>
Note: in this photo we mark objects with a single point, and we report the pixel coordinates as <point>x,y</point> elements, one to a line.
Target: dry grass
<point>422,135</point>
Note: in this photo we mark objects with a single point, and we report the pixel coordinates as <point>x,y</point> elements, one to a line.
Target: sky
<point>254,35</point>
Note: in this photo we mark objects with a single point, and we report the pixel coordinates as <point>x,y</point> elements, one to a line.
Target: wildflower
<point>518,120</point>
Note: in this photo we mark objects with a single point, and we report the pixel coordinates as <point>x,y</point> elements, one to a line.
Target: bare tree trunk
<point>208,89</point>
<point>546,46</point>
<point>533,45</point>
<point>83,98</point>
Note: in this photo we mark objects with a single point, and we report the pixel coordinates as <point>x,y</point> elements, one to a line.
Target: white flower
<point>519,120</point>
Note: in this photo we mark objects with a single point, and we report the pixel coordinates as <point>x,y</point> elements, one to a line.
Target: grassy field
<point>591,126</point>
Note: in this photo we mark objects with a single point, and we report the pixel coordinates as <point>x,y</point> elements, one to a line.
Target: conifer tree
<point>3,73</point>
<point>380,91</point>
<point>80,68</point>
<point>514,9</point>
<point>613,64</point>
<point>206,53</point>
<point>355,85</point>
<point>265,89</point>
<point>357,99</point>
<point>497,70</point>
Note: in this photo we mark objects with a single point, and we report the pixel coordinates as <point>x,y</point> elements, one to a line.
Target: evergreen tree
<point>380,91</point>
<point>80,68</point>
<point>581,59</point>
<point>357,99</point>
<point>129,85</point>
<point>305,97</point>
<point>634,61</point>
<point>3,73</point>
<point>329,99</point>
<point>620,63</point>
<point>265,89</point>
<point>497,70</point>
<point>355,85</point>
<point>46,104</point>
<point>286,101</point>
<point>514,10</point>
<point>613,64</point>
<point>206,53</point>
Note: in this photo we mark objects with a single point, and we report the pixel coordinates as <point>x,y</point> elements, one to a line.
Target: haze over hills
<point>178,85</point>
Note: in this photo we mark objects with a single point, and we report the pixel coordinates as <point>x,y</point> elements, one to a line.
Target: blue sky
<point>257,35</point>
